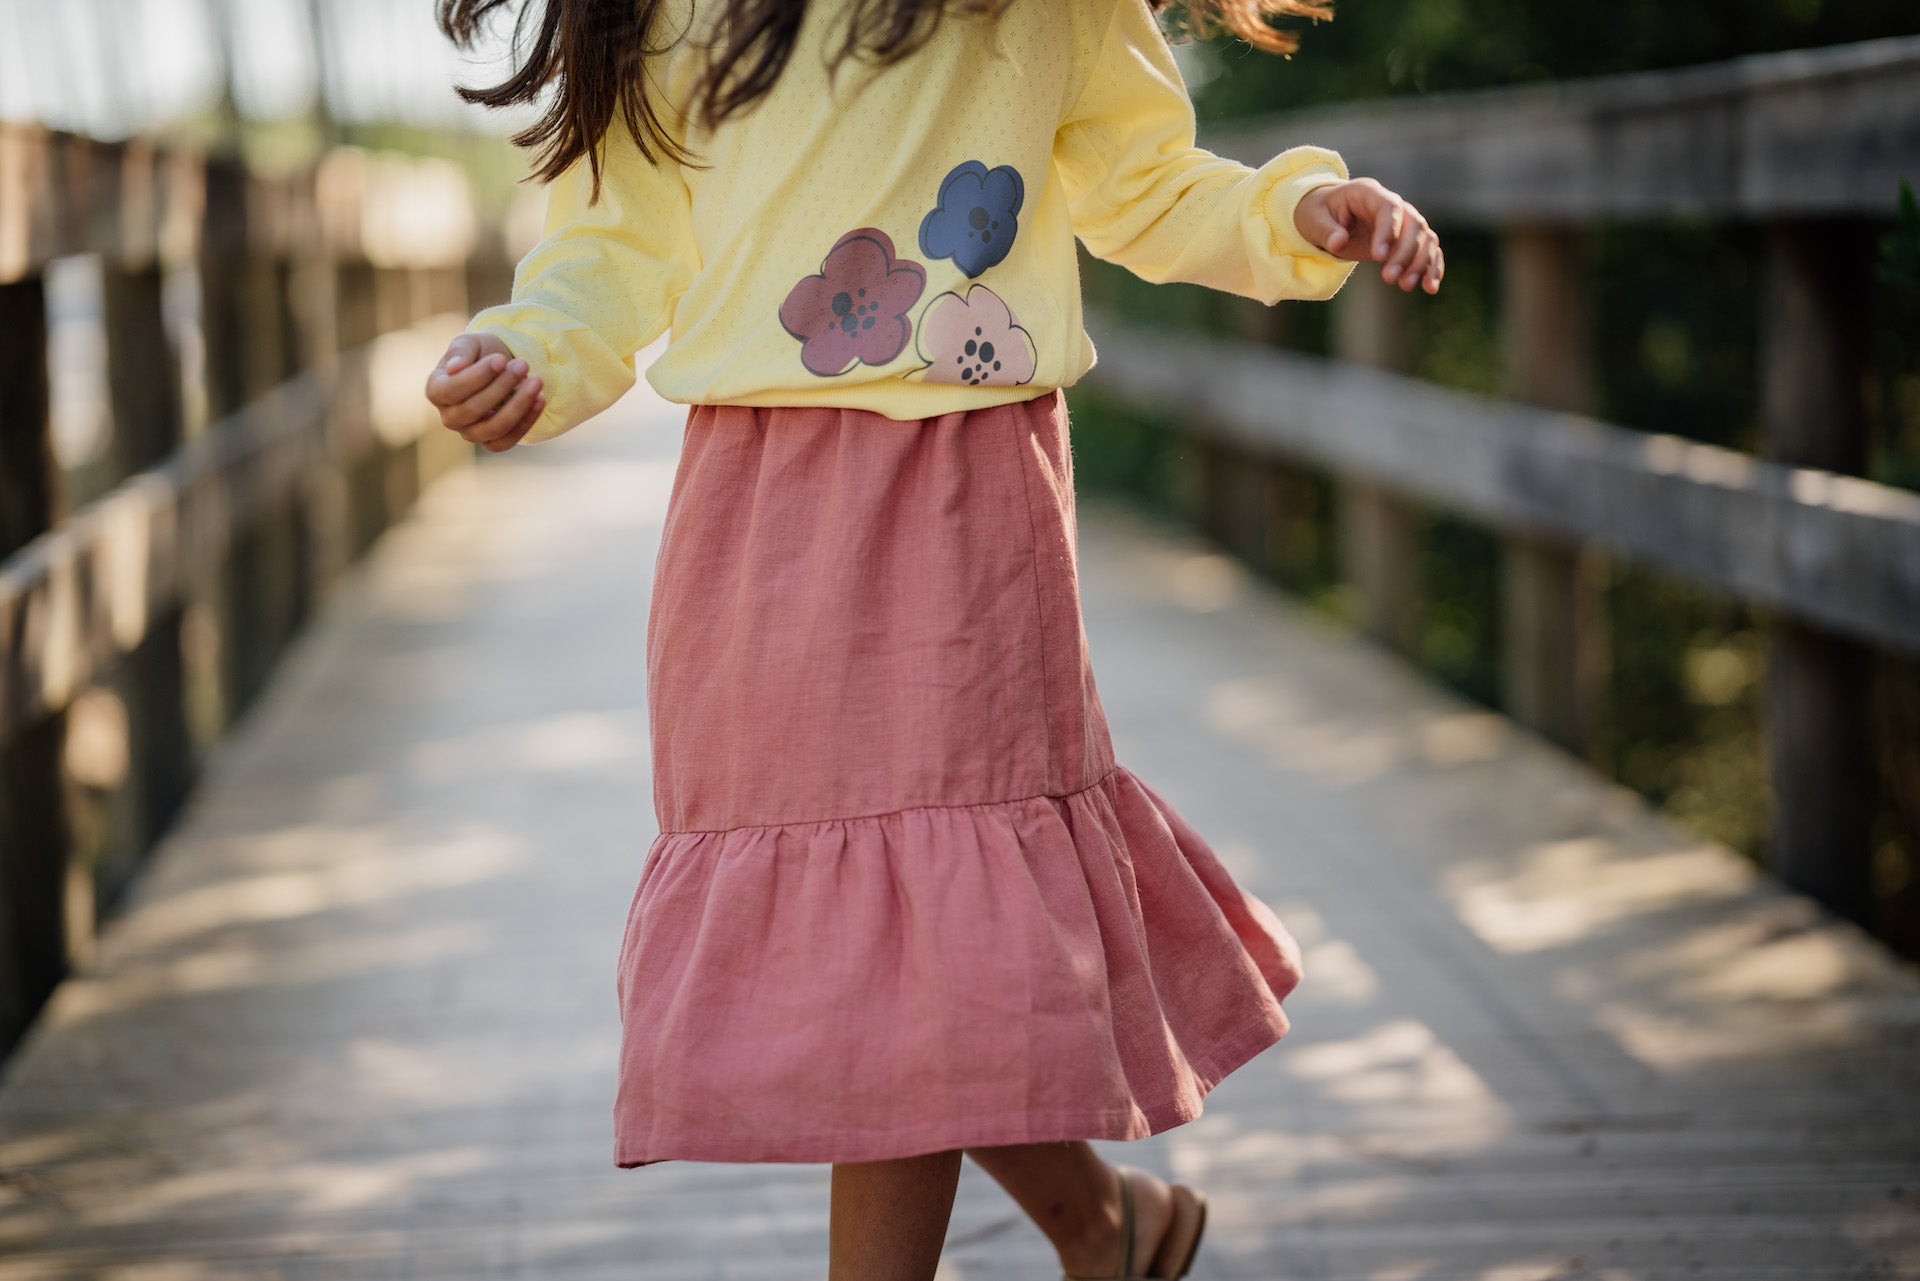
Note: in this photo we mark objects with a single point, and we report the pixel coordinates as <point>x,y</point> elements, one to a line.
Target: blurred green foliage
<point>1681,714</point>
<point>1675,315</point>
<point>1676,318</point>
<point>1459,574</point>
<point>1456,332</point>
<point>1119,451</point>
<point>1380,48</point>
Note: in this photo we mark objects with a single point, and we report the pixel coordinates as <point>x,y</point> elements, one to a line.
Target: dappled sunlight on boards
<point>358,871</point>
<point>615,744</point>
<point>1570,890</point>
<point>1398,1061</point>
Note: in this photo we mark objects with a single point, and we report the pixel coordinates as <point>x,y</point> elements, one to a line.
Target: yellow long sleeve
<point>900,238</point>
<point>601,284</point>
<point>1142,195</point>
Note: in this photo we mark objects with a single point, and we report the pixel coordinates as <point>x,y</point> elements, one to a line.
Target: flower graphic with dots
<point>976,217</point>
<point>974,340</point>
<point>855,310</point>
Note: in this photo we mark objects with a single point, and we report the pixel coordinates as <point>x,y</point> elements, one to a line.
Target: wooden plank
<point>29,492</point>
<point>143,370</point>
<point>1379,553</point>
<point>1552,620</point>
<point>65,194</point>
<point>225,254</point>
<point>131,767</point>
<point>1552,629</point>
<point>26,201</point>
<point>33,818</point>
<point>34,839</point>
<point>1837,550</point>
<point>1820,749</point>
<point>1809,131</point>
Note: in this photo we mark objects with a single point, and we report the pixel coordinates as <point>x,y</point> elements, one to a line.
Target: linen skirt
<point>903,899</point>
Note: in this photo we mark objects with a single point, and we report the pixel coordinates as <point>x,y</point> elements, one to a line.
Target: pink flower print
<point>855,310</point>
<point>974,340</point>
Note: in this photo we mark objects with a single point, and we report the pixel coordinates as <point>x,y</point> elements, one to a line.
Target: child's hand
<point>484,393</point>
<point>1361,221</point>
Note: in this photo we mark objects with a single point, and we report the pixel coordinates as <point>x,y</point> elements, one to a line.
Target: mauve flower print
<point>975,219</point>
<point>855,310</point>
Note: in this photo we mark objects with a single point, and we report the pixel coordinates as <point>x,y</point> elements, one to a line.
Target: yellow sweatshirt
<point>900,239</point>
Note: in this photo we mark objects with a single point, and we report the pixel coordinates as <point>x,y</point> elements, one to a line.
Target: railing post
<point>1818,683</point>
<point>439,451</point>
<point>1378,549</point>
<point>310,300</point>
<point>143,701</point>
<point>489,271</point>
<point>223,318</point>
<point>28,486</point>
<point>143,375</point>
<point>1553,635</point>
<point>359,319</point>
<point>34,836</point>
<point>1233,501</point>
<point>264,269</point>
<point>329,328</point>
<point>218,626</point>
<point>250,350</point>
<point>273,567</point>
<point>403,294</point>
<point>1232,485</point>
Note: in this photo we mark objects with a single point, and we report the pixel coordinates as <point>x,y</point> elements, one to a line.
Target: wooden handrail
<point>77,599</point>
<point>1813,144</point>
<point>1802,133</point>
<point>1833,549</point>
<point>147,600</point>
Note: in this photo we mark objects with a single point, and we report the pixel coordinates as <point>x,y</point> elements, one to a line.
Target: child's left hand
<point>1361,221</point>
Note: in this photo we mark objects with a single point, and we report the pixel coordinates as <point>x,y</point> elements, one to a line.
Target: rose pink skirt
<point>903,900</point>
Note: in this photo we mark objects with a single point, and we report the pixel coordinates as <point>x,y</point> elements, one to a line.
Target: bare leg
<point>889,1218</point>
<point>1074,1197</point>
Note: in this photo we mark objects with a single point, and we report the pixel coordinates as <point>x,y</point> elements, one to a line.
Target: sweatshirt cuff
<point>508,323</point>
<point>1317,274</point>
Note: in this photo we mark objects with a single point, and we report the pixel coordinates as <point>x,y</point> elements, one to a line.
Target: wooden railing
<point>1813,144</point>
<point>138,618</point>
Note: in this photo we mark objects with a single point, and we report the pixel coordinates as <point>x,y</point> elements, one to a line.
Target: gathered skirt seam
<point>1103,780</point>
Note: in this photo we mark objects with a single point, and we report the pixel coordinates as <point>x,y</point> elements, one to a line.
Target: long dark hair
<point>593,53</point>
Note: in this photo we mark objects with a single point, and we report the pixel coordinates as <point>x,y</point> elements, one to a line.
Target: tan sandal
<point>1178,1244</point>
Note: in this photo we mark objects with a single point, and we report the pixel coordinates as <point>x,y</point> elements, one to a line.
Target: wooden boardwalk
<point>359,1022</point>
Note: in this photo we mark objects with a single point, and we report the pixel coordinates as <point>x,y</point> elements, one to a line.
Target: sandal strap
<point>1126,1233</point>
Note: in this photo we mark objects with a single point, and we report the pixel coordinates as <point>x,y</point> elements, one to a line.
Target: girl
<point>903,903</point>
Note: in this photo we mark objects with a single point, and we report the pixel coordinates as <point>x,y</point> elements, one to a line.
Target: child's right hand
<point>483,392</point>
<point>1361,221</point>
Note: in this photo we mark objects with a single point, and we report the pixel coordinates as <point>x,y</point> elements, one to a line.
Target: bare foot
<point>1152,1215</point>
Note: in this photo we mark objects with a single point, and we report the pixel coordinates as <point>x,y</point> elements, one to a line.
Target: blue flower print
<point>974,221</point>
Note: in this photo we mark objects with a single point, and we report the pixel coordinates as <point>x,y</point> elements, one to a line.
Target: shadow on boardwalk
<point>358,1020</point>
